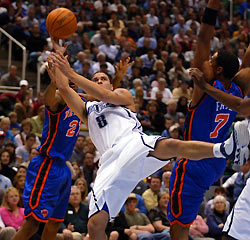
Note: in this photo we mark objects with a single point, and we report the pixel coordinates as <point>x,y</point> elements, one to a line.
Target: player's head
<point>224,64</point>
<point>103,79</point>
<point>242,79</point>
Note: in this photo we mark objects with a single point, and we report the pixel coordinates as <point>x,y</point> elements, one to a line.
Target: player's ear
<point>219,70</point>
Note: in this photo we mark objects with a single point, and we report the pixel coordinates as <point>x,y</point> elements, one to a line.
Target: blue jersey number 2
<point>101,120</point>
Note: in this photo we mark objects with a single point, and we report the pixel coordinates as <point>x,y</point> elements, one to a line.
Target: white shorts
<point>122,167</point>
<point>238,221</point>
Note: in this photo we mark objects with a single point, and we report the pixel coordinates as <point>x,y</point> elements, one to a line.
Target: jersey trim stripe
<point>36,217</point>
<point>53,128</point>
<point>231,221</point>
<point>40,182</point>
<point>57,219</point>
<point>180,223</point>
<point>176,204</point>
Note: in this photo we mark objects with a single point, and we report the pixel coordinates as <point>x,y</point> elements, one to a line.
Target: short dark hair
<point>30,135</point>
<point>109,76</point>
<point>229,62</point>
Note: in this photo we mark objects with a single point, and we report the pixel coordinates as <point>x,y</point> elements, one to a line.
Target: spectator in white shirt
<point>166,93</point>
<point>109,50</point>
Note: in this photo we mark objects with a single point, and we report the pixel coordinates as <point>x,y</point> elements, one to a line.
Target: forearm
<point>233,102</point>
<point>49,94</point>
<point>246,59</point>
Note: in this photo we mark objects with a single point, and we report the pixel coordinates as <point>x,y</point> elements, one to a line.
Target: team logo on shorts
<point>44,212</point>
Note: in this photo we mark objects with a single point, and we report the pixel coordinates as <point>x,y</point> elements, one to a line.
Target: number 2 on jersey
<point>222,120</point>
<point>73,125</point>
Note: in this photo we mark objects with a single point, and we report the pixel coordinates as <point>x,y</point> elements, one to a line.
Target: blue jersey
<point>210,120</point>
<point>60,131</point>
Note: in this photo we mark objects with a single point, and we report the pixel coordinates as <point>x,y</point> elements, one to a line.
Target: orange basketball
<point>61,23</point>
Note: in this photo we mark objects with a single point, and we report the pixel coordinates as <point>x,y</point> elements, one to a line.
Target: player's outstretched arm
<point>202,51</point>
<point>117,97</point>
<point>51,98</point>
<point>72,99</point>
<point>235,103</point>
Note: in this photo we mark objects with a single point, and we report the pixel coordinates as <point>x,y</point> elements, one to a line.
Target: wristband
<point>210,16</point>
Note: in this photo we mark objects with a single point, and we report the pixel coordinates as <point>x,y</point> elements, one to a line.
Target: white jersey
<point>125,158</point>
<point>238,221</point>
<point>109,123</point>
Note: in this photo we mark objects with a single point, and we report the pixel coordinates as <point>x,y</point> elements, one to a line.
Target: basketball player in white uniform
<point>237,225</point>
<point>127,154</point>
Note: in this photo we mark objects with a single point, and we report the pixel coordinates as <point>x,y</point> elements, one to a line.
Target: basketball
<point>61,23</point>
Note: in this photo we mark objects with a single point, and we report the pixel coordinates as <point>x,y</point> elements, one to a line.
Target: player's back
<point>60,131</point>
<point>108,124</point>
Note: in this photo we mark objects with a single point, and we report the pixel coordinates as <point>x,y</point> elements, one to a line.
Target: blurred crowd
<point>160,37</point>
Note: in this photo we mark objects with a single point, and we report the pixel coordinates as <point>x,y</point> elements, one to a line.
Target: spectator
<point>217,218</point>
<point>10,78</point>
<point>22,152</point>
<point>152,20</point>
<point>140,206</point>
<point>78,152</point>
<point>174,131</point>
<point>77,172</point>
<point>148,61</point>
<point>168,123</point>
<point>138,222</point>
<point>26,128</point>
<point>99,38</point>
<point>15,127</point>
<point>158,217</point>
<point>172,111</point>
<point>218,191</point>
<point>29,21</point>
<point>6,233</point>
<point>24,88</point>
<point>74,47</point>
<point>182,105</point>
<point>74,225</point>
<point>38,102</point>
<point>6,170</point>
<point>89,170</point>
<point>18,183</point>
<point>5,127</point>
<point>108,49</point>
<point>238,180</point>
<point>183,90</point>
<point>162,107</point>
<point>11,214</point>
<point>37,122</point>
<point>119,229</point>
<point>127,38</point>
<point>178,71</point>
<point>101,58</point>
<point>147,34</point>
<point>150,196</point>
<point>140,188</point>
<point>165,180</point>
<point>116,24</point>
<point>180,24</point>
<point>83,186</point>
<point>4,181</point>
<point>11,147</point>
<point>23,109</point>
<point>78,64</point>
<point>166,93</point>
<point>153,121</point>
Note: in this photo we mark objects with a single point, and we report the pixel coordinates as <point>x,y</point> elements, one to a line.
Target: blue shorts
<point>47,189</point>
<point>188,183</point>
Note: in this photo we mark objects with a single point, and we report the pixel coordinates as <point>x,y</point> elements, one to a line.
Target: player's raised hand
<point>198,77</point>
<point>51,68</point>
<point>57,46</point>
<point>123,66</point>
<point>62,63</point>
<point>121,69</point>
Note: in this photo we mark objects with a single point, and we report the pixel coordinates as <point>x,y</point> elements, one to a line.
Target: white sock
<point>216,151</point>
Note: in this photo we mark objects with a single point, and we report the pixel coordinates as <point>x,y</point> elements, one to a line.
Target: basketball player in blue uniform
<point>48,179</point>
<point>127,154</point>
<point>207,120</point>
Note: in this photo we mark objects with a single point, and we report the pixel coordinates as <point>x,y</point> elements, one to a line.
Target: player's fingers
<point>130,64</point>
